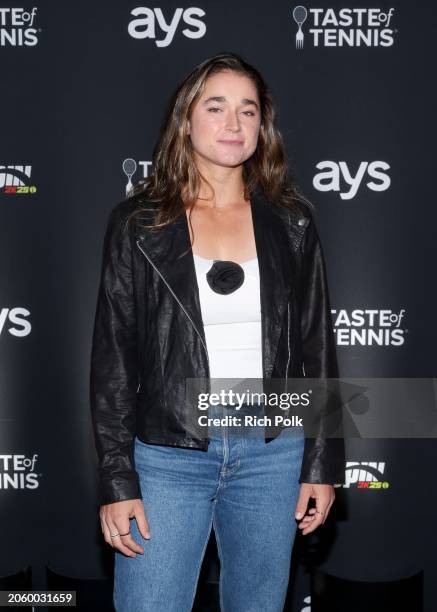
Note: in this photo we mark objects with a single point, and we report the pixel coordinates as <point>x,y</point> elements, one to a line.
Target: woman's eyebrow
<point>244,101</point>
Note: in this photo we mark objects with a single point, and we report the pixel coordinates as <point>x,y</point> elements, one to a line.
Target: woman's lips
<point>231,142</point>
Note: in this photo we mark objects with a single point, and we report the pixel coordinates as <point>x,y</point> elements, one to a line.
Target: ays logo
<point>337,176</point>
<point>151,23</point>
<point>12,320</point>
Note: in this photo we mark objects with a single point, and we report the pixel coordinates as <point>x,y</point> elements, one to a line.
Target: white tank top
<point>232,323</point>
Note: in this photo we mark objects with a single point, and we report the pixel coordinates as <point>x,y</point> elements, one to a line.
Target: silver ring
<point>114,535</point>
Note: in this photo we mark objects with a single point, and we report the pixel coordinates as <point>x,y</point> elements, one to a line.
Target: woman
<point>249,299</point>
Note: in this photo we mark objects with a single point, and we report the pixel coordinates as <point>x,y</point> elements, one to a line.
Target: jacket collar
<point>165,249</point>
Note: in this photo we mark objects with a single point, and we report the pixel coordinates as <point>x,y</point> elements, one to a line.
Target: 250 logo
<point>336,176</point>
<point>147,21</point>
<point>20,326</point>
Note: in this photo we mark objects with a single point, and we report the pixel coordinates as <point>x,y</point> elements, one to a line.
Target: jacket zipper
<point>288,343</point>
<point>181,305</point>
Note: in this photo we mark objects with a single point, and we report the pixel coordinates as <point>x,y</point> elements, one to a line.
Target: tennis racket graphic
<point>129,168</point>
<point>299,15</point>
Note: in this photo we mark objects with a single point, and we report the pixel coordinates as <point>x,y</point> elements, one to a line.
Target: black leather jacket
<point>149,336</point>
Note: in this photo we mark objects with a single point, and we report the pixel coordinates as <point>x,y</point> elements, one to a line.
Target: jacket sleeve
<point>324,453</point>
<point>114,367</point>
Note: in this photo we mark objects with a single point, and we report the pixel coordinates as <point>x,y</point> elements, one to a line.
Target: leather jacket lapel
<point>166,251</point>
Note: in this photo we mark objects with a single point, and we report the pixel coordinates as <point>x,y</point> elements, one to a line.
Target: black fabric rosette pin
<point>225,276</point>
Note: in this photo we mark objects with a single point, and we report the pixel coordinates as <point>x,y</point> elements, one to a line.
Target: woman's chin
<point>229,161</point>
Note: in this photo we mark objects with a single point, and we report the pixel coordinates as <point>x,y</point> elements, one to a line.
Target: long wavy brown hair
<point>175,182</point>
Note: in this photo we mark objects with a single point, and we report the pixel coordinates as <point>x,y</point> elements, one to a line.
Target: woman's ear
<point>188,126</point>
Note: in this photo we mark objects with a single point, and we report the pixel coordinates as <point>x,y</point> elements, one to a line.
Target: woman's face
<point>225,120</point>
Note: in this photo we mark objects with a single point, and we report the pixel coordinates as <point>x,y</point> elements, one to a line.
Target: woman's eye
<point>215,108</point>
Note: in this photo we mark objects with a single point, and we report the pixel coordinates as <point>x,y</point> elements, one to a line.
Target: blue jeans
<point>243,487</point>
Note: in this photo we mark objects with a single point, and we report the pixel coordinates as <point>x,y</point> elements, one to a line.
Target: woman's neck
<point>227,183</point>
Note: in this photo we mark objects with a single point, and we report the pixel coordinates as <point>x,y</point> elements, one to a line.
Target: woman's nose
<point>232,121</point>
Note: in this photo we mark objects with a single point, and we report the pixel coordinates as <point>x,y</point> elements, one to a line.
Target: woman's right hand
<point>115,519</point>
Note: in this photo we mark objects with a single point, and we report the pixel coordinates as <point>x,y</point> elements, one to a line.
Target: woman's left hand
<point>324,495</point>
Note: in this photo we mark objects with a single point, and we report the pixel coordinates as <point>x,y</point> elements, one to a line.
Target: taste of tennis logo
<point>17,27</point>
<point>345,27</point>
<point>130,167</point>
<point>18,472</point>
<point>369,327</point>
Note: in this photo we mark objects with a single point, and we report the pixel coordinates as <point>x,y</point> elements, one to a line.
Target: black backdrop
<point>83,88</point>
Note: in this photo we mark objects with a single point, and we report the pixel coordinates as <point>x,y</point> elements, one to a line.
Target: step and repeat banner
<point>83,91</point>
